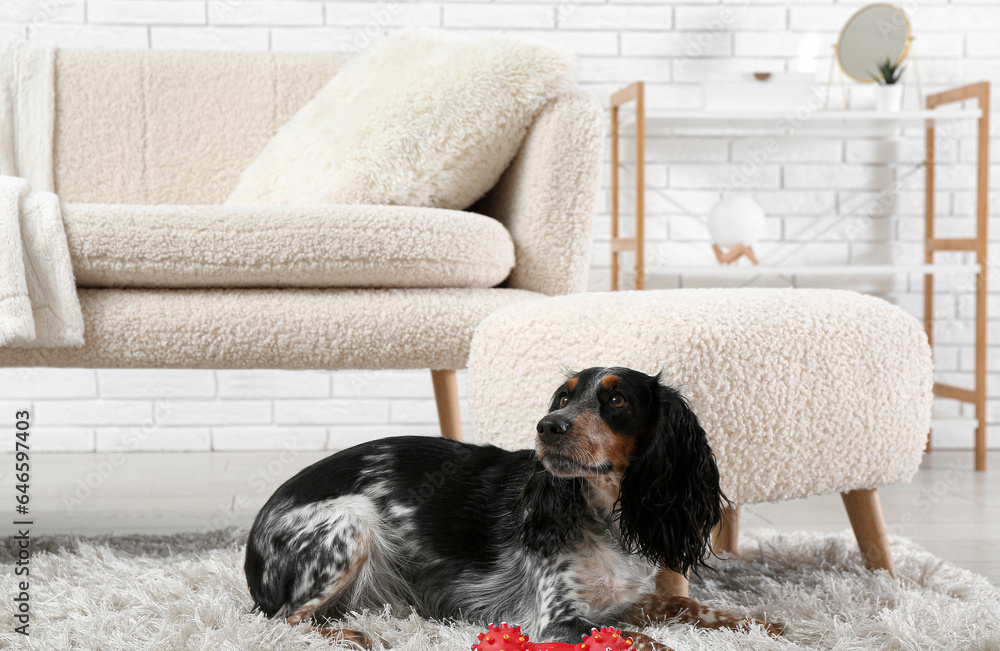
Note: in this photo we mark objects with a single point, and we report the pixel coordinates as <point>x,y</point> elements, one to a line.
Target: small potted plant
<point>889,94</point>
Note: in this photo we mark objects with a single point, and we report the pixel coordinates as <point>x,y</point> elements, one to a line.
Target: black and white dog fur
<point>559,539</point>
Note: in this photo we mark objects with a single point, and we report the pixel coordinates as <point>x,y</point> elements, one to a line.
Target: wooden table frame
<point>636,92</point>
<point>977,244</point>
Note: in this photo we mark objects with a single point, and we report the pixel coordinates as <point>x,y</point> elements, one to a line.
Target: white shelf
<point>747,271</point>
<point>831,123</point>
<point>825,117</point>
<point>971,423</point>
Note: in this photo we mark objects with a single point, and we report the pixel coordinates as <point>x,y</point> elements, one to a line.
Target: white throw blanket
<point>38,302</point>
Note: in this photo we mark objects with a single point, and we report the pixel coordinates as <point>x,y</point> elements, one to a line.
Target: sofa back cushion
<point>149,127</point>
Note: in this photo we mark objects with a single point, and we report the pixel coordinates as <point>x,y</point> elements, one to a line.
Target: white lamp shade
<point>736,219</point>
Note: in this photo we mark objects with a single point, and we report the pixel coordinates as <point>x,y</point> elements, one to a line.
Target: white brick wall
<point>146,12</point>
<point>264,13</point>
<point>690,52</point>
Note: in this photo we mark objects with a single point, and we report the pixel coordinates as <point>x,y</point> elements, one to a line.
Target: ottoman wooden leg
<point>865,512</point>
<point>446,396</point>
<point>725,537</point>
<point>671,584</point>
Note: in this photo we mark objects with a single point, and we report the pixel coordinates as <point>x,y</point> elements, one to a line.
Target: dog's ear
<point>670,497</point>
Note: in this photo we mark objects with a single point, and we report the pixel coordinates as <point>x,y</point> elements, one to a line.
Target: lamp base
<point>734,254</point>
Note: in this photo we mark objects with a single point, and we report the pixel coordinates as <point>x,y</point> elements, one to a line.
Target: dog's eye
<point>563,401</point>
<point>617,401</point>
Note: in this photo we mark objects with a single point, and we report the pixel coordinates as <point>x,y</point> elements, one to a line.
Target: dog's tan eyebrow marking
<point>610,381</point>
<point>572,382</point>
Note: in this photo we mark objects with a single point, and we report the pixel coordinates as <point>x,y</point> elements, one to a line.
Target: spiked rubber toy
<point>503,638</point>
<point>510,638</point>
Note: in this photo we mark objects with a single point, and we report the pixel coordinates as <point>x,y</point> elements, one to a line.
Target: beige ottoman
<point>801,392</point>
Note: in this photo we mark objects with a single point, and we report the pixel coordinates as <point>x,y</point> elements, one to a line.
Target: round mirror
<point>872,35</point>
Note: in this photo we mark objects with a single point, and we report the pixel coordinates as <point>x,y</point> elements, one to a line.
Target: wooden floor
<point>950,509</point>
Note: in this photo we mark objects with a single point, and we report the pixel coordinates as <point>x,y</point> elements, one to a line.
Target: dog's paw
<point>360,639</point>
<point>771,628</point>
<point>642,642</point>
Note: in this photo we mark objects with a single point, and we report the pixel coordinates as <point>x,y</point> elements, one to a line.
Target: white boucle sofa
<point>147,145</point>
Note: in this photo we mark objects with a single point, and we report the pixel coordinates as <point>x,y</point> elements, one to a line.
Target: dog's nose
<point>552,427</point>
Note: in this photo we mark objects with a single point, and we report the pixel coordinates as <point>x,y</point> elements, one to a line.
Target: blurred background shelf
<point>788,122</point>
<point>820,270</point>
<point>783,122</point>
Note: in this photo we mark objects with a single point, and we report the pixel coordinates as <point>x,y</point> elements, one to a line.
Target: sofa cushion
<point>274,328</point>
<point>115,245</point>
<point>131,127</point>
<point>422,118</point>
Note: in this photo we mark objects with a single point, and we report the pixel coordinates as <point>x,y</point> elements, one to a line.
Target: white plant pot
<point>889,98</point>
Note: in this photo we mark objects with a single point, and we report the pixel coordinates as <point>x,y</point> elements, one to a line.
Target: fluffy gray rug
<point>188,592</point>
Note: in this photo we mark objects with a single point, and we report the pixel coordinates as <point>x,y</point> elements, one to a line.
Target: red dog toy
<point>510,638</point>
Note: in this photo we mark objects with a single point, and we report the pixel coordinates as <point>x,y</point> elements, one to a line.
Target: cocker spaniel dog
<point>559,539</point>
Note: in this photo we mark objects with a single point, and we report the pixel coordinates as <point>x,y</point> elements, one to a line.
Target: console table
<point>742,123</point>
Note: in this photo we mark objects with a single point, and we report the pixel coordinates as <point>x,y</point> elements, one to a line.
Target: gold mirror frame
<point>840,38</point>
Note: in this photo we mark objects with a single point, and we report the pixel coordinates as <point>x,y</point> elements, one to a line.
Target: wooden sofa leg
<point>725,537</point>
<point>671,584</point>
<point>864,508</point>
<point>446,395</point>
